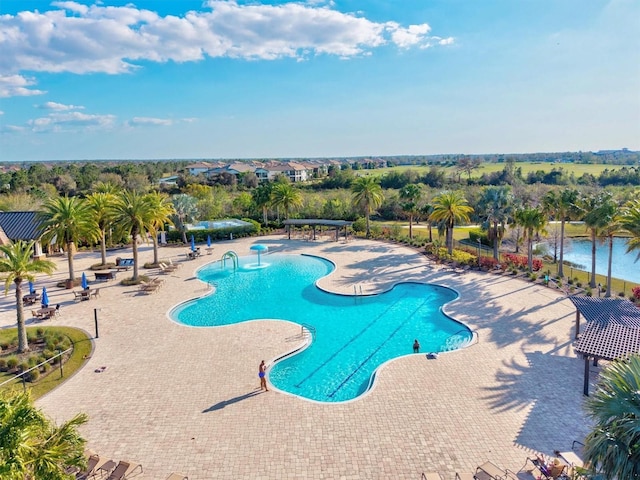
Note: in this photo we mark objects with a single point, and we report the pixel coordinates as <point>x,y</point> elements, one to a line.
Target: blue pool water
<point>354,334</point>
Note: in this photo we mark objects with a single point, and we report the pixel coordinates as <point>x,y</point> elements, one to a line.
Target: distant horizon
<point>87,80</point>
<point>220,159</point>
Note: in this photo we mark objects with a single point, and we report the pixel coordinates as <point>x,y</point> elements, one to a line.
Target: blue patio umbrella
<point>45,297</point>
<point>193,244</point>
<point>84,282</point>
<point>209,241</point>
<point>32,289</point>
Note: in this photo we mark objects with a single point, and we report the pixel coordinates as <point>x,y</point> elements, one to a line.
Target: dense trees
<point>16,266</point>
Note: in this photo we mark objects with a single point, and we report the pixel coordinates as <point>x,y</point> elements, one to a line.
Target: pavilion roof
<point>612,330</point>
<point>317,221</point>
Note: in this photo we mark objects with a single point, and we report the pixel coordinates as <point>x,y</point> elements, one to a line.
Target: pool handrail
<point>310,328</point>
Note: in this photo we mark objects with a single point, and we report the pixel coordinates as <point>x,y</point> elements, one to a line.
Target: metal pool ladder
<point>309,328</point>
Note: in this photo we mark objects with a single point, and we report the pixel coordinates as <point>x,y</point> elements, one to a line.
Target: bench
<point>105,276</point>
<point>124,264</point>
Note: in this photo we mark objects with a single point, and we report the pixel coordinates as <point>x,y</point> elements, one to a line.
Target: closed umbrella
<point>209,241</point>
<point>84,283</point>
<point>45,297</point>
<point>32,290</point>
<point>193,244</point>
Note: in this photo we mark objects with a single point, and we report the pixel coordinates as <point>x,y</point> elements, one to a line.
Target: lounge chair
<point>123,470</point>
<point>431,476</point>
<point>95,293</point>
<point>36,314</point>
<point>177,476</point>
<point>93,463</point>
<point>465,476</point>
<point>490,471</point>
<point>547,470</point>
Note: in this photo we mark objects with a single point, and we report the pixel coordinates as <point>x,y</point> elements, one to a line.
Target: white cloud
<point>83,39</point>
<point>16,85</point>
<point>70,122</point>
<point>59,107</point>
<point>12,129</point>
<point>137,121</point>
<point>1,112</point>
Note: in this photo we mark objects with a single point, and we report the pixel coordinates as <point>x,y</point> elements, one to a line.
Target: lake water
<point>578,251</point>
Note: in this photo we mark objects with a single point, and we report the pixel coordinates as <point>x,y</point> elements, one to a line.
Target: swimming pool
<point>354,335</point>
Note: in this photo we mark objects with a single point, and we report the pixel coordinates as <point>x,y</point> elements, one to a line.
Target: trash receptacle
<point>68,283</point>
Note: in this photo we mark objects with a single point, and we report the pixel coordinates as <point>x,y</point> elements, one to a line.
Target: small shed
<point>612,331</point>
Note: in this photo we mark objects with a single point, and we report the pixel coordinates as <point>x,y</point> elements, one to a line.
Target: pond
<point>624,266</point>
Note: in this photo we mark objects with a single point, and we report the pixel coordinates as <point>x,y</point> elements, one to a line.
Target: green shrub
<point>3,365</point>
<point>40,332</point>
<point>33,375</point>
<point>588,292</point>
<point>33,360</point>
<point>46,367</point>
<point>12,362</point>
<point>570,281</point>
<point>24,366</point>
<point>579,284</point>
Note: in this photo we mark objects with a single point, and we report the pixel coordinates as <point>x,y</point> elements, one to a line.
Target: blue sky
<point>222,79</point>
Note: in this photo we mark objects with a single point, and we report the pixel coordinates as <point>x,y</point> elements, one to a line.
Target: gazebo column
<point>585,389</point>
<point>314,232</point>
<point>577,323</point>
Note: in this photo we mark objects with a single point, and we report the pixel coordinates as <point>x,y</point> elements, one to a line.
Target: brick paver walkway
<point>185,399</point>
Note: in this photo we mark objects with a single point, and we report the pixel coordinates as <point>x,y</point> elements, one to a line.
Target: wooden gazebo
<point>612,331</point>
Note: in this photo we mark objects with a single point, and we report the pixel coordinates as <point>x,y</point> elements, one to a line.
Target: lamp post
<point>95,320</point>
<point>599,288</point>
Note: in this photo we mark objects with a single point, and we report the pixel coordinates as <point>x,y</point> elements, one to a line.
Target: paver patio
<point>177,398</point>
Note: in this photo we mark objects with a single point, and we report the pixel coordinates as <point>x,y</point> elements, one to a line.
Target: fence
<point>21,375</point>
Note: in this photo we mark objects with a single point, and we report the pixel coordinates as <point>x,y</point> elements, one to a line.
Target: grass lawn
<point>82,348</point>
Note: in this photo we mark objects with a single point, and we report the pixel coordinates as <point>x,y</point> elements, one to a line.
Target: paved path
<point>185,399</point>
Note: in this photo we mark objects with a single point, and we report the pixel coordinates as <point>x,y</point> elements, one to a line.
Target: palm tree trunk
<point>134,235</point>
<point>155,248</point>
<point>496,242</point>
<point>410,229</point>
<point>430,233</point>
<point>450,239</point>
<point>23,345</point>
<point>560,269</point>
<point>368,227</point>
<point>592,284</point>
<point>70,249</point>
<point>265,219</point>
<point>103,246</point>
<point>530,251</point>
<point>608,294</point>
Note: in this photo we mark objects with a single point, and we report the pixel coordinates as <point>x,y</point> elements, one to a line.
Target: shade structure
<point>193,244</point>
<point>209,241</point>
<point>45,297</point>
<point>259,248</point>
<point>84,282</point>
<point>31,288</point>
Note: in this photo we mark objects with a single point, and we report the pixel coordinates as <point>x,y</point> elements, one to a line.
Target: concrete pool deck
<point>176,398</point>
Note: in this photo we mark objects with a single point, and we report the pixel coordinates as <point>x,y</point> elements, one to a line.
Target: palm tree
<point>563,206</point>
<point>497,206</point>
<point>450,208</point>
<point>67,220</point>
<point>368,196</point>
<point>533,221</point>
<point>17,264</point>
<point>589,207</point>
<point>411,193</point>
<point>185,211</point>
<point>613,445</point>
<point>262,199</point>
<point>133,214</point>
<point>631,223</point>
<point>32,446</point>
<point>286,196</point>
<point>161,212</point>
<point>102,207</point>
<point>426,210</point>
<point>609,212</point>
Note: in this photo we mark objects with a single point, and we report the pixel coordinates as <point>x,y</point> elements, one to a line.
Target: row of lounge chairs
<point>107,469</point>
<point>566,465</point>
<point>152,286</point>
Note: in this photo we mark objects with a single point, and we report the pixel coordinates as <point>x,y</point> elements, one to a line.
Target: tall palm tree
<point>411,193</point>
<point>32,446</point>
<point>368,196</point>
<point>563,206</point>
<point>133,214</point>
<point>426,211</point>
<point>533,221</point>
<point>286,196</point>
<point>262,199</point>
<point>102,207</point>
<point>613,445</point>
<point>16,265</point>
<point>609,213</point>
<point>589,207</point>
<point>497,205</point>
<point>67,220</point>
<point>161,212</point>
<point>450,208</point>
<point>185,211</point>
<point>630,219</point>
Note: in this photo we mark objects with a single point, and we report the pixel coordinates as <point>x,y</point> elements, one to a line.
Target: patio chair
<point>465,476</point>
<point>123,470</point>
<point>177,476</point>
<point>93,462</point>
<point>490,471</point>
<point>542,469</point>
<point>95,293</point>
<point>431,476</point>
